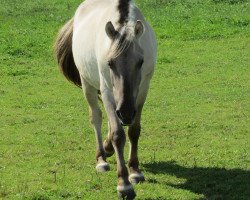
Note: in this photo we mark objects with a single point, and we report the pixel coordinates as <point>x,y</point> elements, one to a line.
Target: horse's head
<point>125,69</point>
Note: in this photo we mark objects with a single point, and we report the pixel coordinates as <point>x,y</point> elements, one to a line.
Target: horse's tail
<point>64,55</point>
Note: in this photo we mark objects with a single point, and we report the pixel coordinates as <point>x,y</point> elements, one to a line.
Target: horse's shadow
<point>213,183</point>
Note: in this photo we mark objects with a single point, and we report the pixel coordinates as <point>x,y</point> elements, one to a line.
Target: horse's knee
<point>118,138</point>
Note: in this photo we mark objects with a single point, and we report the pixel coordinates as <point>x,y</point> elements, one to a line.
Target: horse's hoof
<point>126,192</point>
<point>102,167</point>
<point>136,178</point>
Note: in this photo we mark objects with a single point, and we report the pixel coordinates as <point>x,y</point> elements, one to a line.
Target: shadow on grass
<point>213,183</point>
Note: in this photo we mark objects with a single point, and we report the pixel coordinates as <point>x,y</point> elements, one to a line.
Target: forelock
<point>121,42</point>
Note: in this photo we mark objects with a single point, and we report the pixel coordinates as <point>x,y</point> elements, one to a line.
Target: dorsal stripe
<point>123,8</point>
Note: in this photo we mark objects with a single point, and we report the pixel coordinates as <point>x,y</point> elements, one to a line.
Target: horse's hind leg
<point>108,147</point>
<point>91,95</point>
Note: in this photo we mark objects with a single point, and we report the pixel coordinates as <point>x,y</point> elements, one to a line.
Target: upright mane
<point>123,8</point>
<point>126,25</point>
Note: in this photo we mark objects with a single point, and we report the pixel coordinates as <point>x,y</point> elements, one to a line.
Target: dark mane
<point>123,8</point>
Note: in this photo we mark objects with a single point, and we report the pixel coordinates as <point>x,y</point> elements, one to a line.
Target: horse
<point>109,50</point>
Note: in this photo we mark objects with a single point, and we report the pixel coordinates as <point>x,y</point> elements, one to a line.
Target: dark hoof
<point>136,178</point>
<point>126,192</point>
<point>102,167</point>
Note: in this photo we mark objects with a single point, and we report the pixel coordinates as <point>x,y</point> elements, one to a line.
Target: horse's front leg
<point>134,132</point>
<point>118,139</point>
<point>96,120</point>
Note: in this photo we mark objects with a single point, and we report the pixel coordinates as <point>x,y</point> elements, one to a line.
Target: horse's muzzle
<point>126,118</point>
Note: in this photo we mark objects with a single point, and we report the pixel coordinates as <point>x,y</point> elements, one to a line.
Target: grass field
<point>195,135</point>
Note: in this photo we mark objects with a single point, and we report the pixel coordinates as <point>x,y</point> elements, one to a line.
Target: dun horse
<point>108,48</point>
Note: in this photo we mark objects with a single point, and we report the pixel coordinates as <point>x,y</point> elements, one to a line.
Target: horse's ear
<point>139,29</point>
<point>110,30</point>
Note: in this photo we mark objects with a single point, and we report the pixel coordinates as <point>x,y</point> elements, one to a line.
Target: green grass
<point>195,135</point>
